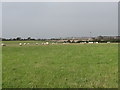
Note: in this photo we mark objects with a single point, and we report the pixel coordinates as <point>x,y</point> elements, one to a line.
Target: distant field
<point>16,43</point>
<point>60,66</point>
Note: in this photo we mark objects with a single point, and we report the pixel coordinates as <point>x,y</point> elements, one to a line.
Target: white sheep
<point>20,44</point>
<point>63,43</point>
<point>36,43</point>
<point>47,43</point>
<point>24,43</point>
<point>3,44</point>
<point>53,43</point>
<point>90,42</point>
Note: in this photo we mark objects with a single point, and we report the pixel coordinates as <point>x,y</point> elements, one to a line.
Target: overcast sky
<point>54,20</point>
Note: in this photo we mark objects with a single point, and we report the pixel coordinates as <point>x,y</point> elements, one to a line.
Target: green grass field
<point>60,66</point>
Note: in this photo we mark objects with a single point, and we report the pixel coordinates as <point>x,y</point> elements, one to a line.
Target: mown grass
<point>60,66</point>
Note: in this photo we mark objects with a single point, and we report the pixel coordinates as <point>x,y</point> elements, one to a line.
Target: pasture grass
<point>60,66</point>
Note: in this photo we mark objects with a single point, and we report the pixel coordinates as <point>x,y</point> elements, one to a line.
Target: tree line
<point>92,39</point>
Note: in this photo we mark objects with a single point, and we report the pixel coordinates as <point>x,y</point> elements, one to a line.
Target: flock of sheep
<point>21,44</point>
<point>46,43</point>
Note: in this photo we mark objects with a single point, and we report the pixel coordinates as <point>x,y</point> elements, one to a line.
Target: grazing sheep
<point>47,43</point>
<point>64,43</point>
<point>24,43</point>
<point>53,43</point>
<point>28,43</point>
<point>108,42</point>
<point>36,43</point>
<point>20,44</point>
<point>3,44</point>
<point>90,42</point>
